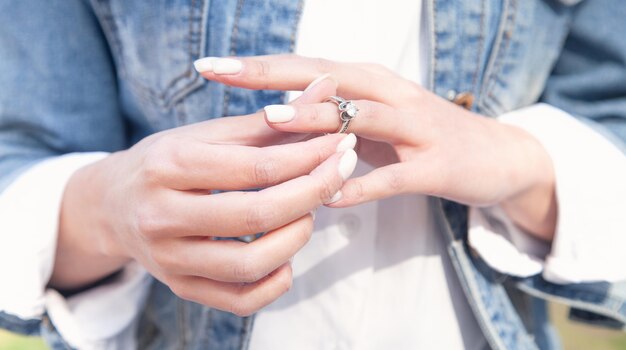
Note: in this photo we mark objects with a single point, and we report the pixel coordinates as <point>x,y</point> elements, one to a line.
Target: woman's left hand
<point>440,149</point>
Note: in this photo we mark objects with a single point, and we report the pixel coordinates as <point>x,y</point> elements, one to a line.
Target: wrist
<point>84,248</point>
<point>534,206</point>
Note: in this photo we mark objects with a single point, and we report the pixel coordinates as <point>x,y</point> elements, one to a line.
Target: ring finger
<point>234,261</point>
<point>240,299</point>
<point>375,121</point>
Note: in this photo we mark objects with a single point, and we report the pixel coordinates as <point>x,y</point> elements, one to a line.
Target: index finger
<point>292,72</point>
<point>233,214</point>
<point>233,167</point>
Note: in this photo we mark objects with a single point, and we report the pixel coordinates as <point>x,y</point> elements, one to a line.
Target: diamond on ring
<point>347,111</point>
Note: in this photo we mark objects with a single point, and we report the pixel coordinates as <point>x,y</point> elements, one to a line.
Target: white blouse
<point>375,276</point>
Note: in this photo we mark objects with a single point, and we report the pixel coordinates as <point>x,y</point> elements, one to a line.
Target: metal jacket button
<point>463,99</point>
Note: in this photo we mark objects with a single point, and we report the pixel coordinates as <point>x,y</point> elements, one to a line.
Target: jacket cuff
<point>100,317</point>
<point>29,218</point>
<point>103,317</point>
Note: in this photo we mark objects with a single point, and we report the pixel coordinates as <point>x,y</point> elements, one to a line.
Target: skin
<point>420,143</point>
<point>154,204</point>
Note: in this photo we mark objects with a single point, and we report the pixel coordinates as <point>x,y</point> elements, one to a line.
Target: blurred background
<point>574,336</point>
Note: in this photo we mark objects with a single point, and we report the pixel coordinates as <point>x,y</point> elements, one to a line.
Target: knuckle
<point>265,172</point>
<point>326,189</point>
<point>262,69</point>
<point>149,220</point>
<point>367,111</point>
<point>241,307</point>
<point>394,180</point>
<point>357,191</point>
<point>313,115</point>
<point>413,92</point>
<point>245,270</point>
<point>303,229</point>
<point>163,158</point>
<point>180,289</point>
<point>154,169</point>
<point>323,65</point>
<point>285,281</point>
<point>288,279</point>
<point>260,217</point>
<point>319,151</point>
<point>164,259</point>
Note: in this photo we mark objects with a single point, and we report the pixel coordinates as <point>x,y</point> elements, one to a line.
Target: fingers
<point>234,214</point>
<point>196,165</point>
<point>240,299</point>
<point>290,72</point>
<point>234,261</point>
<point>374,120</point>
<point>237,213</point>
<point>380,183</point>
<point>317,91</point>
<point>247,130</point>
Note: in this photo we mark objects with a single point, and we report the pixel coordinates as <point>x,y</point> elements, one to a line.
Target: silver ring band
<point>347,111</point>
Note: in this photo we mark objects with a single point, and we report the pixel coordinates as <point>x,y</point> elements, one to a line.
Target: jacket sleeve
<point>588,79</point>
<point>57,96</point>
<point>57,85</point>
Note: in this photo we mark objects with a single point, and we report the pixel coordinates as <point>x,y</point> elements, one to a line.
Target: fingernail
<point>279,113</point>
<point>347,143</point>
<point>204,64</point>
<point>227,66</point>
<point>313,213</point>
<point>347,163</point>
<point>336,198</point>
<point>317,81</point>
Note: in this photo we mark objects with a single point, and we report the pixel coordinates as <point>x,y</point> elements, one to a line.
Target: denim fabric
<point>99,75</point>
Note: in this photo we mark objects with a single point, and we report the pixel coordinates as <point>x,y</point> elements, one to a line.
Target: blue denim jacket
<point>99,75</point>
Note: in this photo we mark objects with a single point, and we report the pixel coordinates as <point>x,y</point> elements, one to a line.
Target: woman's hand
<point>155,204</point>
<point>440,149</point>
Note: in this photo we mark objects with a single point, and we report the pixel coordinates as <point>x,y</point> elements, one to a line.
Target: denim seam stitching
<point>180,323</point>
<point>169,95</point>
<point>233,52</point>
<point>191,54</point>
<point>491,335</point>
<point>493,59</point>
<point>434,44</point>
<point>481,47</point>
<point>201,49</point>
<point>504,51</point>
<point>109,29</point>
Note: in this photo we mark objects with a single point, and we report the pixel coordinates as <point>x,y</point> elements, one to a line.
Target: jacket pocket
<point>154,44</point>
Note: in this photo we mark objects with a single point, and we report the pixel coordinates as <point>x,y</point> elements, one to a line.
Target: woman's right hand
<point>153,204</point>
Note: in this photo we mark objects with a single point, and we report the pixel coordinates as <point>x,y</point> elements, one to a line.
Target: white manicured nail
<point>227,66</point>
<point>317,81</point>
<point>336,198</point>
<point>279,113</point>
<point>347,143</point>
<point>204,64</point>
<point>347,163</point>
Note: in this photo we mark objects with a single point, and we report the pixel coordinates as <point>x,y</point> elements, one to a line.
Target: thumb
<point>318,90</point>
